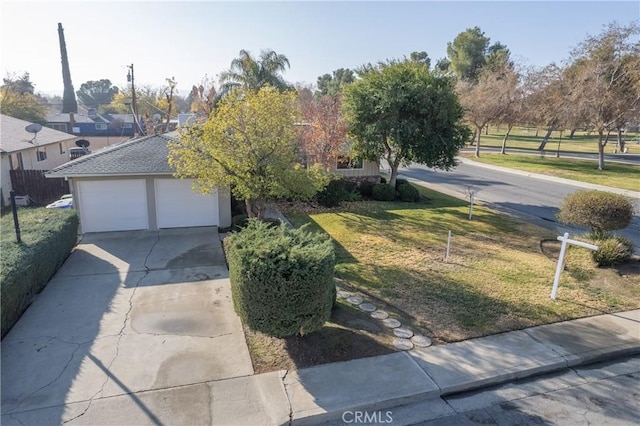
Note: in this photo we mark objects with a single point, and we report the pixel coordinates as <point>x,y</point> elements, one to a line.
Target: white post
<point>565,240</point>
<point>446,257</point>
<point>556,280</point>
<point>471,206</point>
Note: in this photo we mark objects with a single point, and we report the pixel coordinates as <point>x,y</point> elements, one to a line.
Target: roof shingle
<point>145,155</point>
<point>13,136</point>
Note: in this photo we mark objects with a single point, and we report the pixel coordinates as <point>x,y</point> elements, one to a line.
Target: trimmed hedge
<point>281,279</point>
<point>333,193</point>
<point>48,236</point>
<point>384,192</point>
<point>408,192</point>
<point>400,181</point>
<point>601,211</point>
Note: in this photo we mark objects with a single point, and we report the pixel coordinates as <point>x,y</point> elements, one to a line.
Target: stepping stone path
<point>405,339</point>
<point>402,344</point>
<point>404,333</point>
<point>391,323</point>
<point>367,307</point>
<point>379,314</point>
<point>421,341</point>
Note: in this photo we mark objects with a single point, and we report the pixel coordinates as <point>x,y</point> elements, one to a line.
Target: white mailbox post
<point>565,240</point>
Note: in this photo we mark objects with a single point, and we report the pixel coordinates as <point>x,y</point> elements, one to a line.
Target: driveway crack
<point>286,392</point>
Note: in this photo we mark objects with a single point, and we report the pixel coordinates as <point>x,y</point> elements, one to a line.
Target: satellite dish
<point>82,143</point>
<point>33,128</point>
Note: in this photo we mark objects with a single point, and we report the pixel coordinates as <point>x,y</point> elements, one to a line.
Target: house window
<point>101,126</point>
<point>41,154</point>
<point>61,148</point>
<point>127,126</point>
<point>345,162</point>
<point>20,162</point>
<point>62,127</point>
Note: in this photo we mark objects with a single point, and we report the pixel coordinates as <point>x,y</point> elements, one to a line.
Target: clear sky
<point>190,39</point>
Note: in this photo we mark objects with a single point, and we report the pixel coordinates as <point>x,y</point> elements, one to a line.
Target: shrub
<point>281,279</point>
<point>353,196</point>
<point>333,193</point>
<point>601,211</point>
<point>48,235</point>
<point>612,251</point>
<point>366,188</point>
<point>408,192</point>
<point>238,221</point>
<point>383,179</point>
<point>401,182</point>
<point>384,192</point>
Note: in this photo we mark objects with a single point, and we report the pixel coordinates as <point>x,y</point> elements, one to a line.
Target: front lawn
<point>497,277</point>
<point>615,175</point>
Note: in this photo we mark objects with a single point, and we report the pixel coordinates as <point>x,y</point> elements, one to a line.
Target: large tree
<point>332,85</point>
<point>470,51</point>
<point>17,99</point>
<point>324,130</point>
<point>253,73</point>
<point>249,144</point>
<point>402,112</point>
<point>605,80</point>
<point>487,98</point>
<point>95,93</point>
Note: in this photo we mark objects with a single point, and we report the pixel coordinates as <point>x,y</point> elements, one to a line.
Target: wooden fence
<point>40,189</point>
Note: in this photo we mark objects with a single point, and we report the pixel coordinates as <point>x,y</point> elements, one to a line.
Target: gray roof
<point>13,136</point>
<point>63,117</point>
<point>143,156</point>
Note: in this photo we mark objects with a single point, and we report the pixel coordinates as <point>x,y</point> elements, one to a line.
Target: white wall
<point>5,178</point>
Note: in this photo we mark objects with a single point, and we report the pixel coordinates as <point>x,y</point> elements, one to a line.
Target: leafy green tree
<point>400,111</point>
<point>249,144</point>
<point>93,94</point>
<point>422,57</point>
<point>25,106</point>
<point>18,84</point>
<point>467,53</point>
<point>253,73</point>
<point>331,85</point>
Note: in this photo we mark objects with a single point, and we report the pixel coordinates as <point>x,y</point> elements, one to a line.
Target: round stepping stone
<point>421,341</point>
<point>354,300</point>
<point>380,314</point>
<point>391,323</point>
<point>343,294</point>
<point>402,344</point>
<point>402,332</point>
<point>367,307</point>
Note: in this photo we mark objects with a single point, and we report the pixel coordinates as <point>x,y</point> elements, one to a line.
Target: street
<point>528,197</point>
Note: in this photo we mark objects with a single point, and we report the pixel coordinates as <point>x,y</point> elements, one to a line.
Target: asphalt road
<point>528,197</point>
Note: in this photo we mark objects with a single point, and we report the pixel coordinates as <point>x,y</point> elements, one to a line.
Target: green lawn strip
<point>616,175</point>
<point>520,138</point>
<point>496,279</point>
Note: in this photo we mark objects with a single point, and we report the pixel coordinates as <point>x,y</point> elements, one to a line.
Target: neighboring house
<point>357,169</point>
<point>100,130</point>
<point>20,150</point>
<point>131,186</point>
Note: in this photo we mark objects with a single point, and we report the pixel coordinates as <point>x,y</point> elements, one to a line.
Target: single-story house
<point>20,149</point>
<point>131,186</point>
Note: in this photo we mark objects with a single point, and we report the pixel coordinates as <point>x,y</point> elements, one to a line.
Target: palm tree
<point>251,73</point>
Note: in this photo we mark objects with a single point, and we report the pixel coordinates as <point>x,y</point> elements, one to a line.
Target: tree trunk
<point>478,141</point>
<point>559,142</point>
<point>547,136</point>
<point>255,207</point>
<point>537,131</point>
<point>620,141</point>
<point>601,145</point>
<point>571,134</point>
<point>486,130</point>
<point>503,150</point>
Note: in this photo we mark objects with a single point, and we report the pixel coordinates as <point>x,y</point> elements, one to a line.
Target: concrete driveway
<point>133,325</point>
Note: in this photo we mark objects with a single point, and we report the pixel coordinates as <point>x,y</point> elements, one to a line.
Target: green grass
<point>523,138</point>
<point>497,279</point>
<point>616,175</point>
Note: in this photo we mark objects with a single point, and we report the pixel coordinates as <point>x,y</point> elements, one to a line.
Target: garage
<point>112,205</point>
<point>177,205</point>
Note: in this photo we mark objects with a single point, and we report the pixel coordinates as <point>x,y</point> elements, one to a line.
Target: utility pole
<point>134,106</point>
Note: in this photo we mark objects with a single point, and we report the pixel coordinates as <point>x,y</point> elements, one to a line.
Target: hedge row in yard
<point>48,236</point>
<point>281,279</point>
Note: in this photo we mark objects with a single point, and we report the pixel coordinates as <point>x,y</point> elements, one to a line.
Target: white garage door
<point>113,205</point>
<point>178,206</point>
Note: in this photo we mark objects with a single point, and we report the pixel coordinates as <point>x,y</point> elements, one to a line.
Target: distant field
<point>522,138</point>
